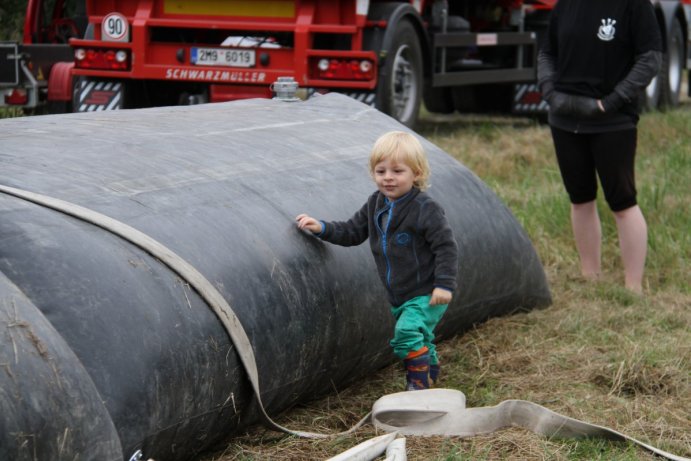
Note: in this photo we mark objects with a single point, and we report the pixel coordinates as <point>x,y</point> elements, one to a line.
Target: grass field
<point>599,353</point>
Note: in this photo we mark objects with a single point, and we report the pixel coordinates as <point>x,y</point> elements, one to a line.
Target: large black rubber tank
<point>105,351</point>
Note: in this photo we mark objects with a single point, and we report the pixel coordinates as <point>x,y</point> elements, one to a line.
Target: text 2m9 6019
<point>231,57</point>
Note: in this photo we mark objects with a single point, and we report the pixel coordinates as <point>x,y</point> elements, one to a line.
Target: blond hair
<point>402,147</point>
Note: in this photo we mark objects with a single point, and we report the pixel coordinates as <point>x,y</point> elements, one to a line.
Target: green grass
<point>10,112</point>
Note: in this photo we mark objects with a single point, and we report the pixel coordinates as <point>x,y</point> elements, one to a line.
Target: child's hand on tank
<point>440,296</point>
<point>307,222</point>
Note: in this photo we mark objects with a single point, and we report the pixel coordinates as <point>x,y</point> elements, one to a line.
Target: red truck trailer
<point>465,55</point>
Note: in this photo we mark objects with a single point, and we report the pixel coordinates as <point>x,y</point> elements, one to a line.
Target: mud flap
<point>366,97</point>
<point>97,95</point>
<point>528,100</point>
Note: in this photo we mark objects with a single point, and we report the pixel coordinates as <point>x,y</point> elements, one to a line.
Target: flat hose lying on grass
<point>440,412</point>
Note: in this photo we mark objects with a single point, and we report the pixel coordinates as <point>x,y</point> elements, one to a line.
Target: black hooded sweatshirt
<point>598,49</point>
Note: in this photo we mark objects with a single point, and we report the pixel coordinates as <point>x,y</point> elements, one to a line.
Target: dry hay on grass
<point>588,357</point>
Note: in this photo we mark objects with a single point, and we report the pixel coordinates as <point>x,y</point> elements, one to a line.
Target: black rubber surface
<point>151,366</point>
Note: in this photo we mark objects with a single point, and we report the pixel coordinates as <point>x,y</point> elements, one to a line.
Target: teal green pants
<point>415,324</point>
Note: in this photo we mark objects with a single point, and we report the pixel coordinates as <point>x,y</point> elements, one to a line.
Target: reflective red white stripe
<point>98,96</point>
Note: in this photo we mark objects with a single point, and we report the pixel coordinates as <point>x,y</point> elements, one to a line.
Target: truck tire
<point>672,67</point>
<point>652,94</point>
<point>400,86</point>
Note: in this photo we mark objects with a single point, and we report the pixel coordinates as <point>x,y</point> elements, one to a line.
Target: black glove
<point>574,105</point>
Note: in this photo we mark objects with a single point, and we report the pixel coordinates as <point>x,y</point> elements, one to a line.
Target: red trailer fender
<point>60,82</point>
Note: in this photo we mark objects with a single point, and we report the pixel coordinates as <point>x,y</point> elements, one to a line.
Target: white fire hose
<point>442,412</point>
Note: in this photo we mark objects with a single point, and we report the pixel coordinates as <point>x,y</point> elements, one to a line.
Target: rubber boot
<point>434,374</point>
<point>417,372</point>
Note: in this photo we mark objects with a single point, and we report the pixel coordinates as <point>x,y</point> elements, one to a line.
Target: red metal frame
<point>31,21</point>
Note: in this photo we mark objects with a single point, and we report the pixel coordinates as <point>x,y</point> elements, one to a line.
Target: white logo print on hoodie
<point>607,30</point>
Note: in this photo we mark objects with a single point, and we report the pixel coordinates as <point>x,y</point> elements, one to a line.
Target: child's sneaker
<point>434,374</point>
<point>417,372</point>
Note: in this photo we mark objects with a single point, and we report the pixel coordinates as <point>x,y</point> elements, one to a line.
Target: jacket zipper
<point>384,233</point>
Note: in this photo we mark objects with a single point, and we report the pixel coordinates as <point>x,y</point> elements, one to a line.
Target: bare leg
<point>633,242</point>
<point>588,235</point>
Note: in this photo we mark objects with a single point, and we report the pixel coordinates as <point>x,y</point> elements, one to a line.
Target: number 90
<point>115,27</point>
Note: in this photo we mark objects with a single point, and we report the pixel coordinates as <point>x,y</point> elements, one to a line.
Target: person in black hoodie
<point>593,67</point>
<point>413,246</point>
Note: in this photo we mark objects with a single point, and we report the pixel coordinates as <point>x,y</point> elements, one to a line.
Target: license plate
<point>232,57</point>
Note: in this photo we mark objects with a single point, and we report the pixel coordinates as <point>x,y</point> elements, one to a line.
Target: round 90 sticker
<point>115,28</point>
